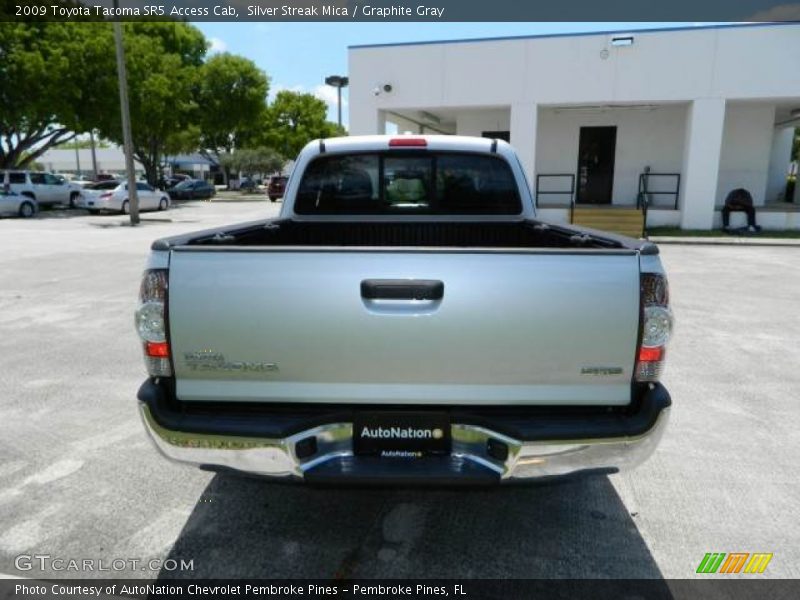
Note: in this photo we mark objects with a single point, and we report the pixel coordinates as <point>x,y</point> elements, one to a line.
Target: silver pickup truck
<point>408,319</point>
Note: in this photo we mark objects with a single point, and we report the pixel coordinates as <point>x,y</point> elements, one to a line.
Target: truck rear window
<point>406,182</point>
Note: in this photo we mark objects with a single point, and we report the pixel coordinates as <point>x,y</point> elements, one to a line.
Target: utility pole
<point>77,159</point>
<point>94,155</point>
<point>133,197</point>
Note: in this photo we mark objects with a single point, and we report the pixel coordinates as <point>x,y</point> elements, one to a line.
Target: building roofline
<point>575,34</point>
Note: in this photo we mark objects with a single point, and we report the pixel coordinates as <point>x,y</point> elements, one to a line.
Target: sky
<point>298,56</point>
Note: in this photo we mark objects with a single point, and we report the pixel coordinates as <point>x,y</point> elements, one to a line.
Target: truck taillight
<point>151,322</point>
<point>656,327</point>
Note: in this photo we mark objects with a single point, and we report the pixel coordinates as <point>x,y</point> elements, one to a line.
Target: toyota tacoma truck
<point>407,318</point>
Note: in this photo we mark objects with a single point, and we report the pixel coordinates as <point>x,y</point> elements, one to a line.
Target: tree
<point>293,120</point>
<point>58,80</point>
<point>53,82</point>
<point>796,144</point>
<point>232,97</point>
<point>163,60</point>
<point>252,161</point>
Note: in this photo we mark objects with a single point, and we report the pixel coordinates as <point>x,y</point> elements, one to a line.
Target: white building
<point>705,110</point>
<point>110,159</point>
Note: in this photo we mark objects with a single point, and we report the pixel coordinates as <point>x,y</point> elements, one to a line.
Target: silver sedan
<point>116,199</point>
<point>15,205</point>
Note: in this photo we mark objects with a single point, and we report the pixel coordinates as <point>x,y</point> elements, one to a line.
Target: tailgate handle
<point>402,289</point>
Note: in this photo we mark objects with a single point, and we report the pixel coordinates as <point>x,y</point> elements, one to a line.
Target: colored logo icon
<point>735,562</point>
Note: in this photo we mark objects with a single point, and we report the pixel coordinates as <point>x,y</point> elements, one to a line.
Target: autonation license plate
<point>401,434</point>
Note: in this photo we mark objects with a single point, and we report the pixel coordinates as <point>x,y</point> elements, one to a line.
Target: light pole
<point>133,197</point>
<point>339,82</point>
<point>94,155</point>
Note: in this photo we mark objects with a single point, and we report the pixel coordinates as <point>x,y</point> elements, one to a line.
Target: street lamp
<point>338,81</point>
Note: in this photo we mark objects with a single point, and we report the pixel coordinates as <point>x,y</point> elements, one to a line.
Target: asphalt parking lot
<point>79,479</point>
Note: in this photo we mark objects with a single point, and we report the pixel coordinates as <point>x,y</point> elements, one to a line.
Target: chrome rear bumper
<point>474,458</point>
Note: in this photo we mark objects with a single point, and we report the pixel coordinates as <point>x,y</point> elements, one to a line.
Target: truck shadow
<point>248,528</point>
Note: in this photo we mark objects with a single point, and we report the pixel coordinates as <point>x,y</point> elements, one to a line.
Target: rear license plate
<point>401,434</point>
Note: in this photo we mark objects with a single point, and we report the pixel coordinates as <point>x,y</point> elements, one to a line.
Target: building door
<point>596,148</point>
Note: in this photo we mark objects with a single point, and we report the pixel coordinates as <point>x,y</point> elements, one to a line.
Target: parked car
<point>174,180</point>
<point>92,191</point>
<point>108,184</point>
<point>80,181</point>
<point>248,185</point>
<point>45,188</point>
<point>116,199</point>
<point>192,189</point>
<point>276,187</point>
<point>17,205</point>
<point>106,177</point>
<point>371,334</point>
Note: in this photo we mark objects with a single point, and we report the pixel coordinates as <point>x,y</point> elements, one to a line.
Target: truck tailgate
<point>511,328</point>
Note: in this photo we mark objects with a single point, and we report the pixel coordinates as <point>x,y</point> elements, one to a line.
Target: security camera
<point>387,87</point>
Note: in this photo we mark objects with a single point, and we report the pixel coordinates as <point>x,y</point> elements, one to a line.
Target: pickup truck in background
<point>408,319</point>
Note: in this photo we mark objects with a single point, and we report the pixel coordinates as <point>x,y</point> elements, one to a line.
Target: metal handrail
<point>572,209</point>
<point>642,199</point>
<point>571,191</point>
<point>644,185</point>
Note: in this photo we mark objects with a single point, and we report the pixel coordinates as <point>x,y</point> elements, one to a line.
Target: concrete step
<point>613,226</point>
<point>582,219</point>
<point>604,219</point>
<point>618,212</point>
<point>625,221</point>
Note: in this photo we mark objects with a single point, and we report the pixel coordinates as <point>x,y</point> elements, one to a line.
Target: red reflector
<point>157,349</point>
<point>408,141</point>
<point>651,354</point>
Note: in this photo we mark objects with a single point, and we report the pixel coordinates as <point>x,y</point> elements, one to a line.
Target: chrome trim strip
<point>526,460</point>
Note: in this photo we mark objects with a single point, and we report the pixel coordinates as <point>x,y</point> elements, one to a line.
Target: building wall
<point>735,62</point>
<point>780,156</point>
<point>64,161</point>
<point>651,137</point>
<point>699,101</point>
<point>403,125</point>
<point>476,121</point>
<point>746,146</point>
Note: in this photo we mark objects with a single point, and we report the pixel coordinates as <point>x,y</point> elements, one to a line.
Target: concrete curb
<point>726,241</point>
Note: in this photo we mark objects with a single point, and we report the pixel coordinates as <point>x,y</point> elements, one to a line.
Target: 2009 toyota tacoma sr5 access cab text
<point>406,319</point>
